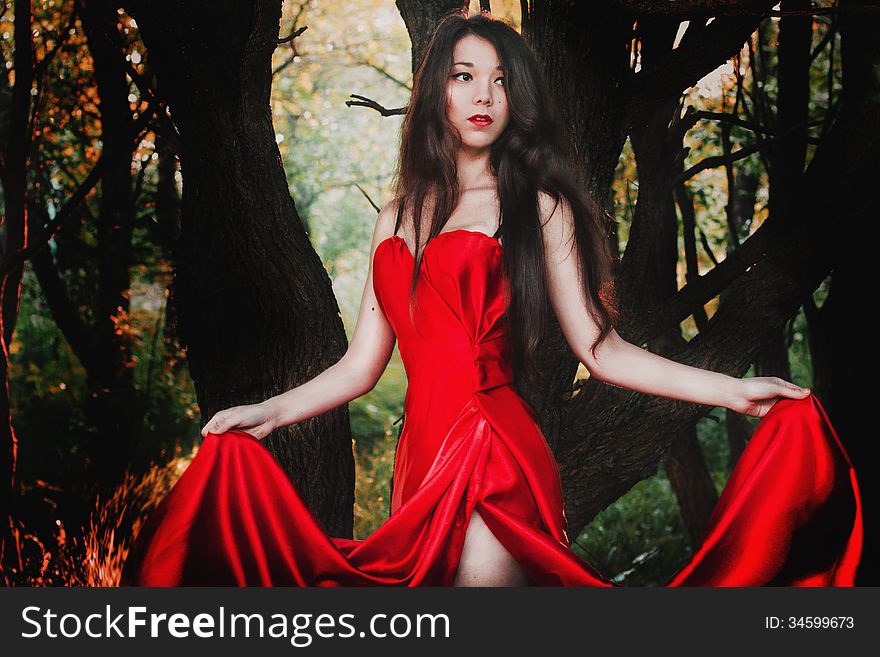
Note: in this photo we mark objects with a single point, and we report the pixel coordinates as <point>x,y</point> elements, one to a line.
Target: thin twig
<point>367,196</point>
<point>730,118</point>
<point>292,35</point>
<point>363,101</point>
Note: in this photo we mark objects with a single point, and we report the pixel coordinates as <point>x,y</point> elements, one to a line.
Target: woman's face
<point>474,91</point>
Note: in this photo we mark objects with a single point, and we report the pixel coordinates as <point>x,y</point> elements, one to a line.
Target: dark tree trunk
<point>166,221</point>
<point>104,344</point>
<point>421,18</point>
<point>656,139</point>
<point>739,431</point>
<point>840,333</point>
<point>788,151</point>
<point>772,360</point>
<point>740,211</point>
<point>578,46</point>
<point>14,179</point>
<point>691,482</point>
<point>111,401</point>
<point>254,303</point>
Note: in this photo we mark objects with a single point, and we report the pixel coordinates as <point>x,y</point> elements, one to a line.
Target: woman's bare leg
<point>484,561</point>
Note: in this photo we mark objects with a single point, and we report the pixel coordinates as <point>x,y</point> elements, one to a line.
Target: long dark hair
<point>531,155</point>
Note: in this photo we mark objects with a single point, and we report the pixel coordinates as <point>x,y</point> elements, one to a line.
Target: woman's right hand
<point>255,419</point>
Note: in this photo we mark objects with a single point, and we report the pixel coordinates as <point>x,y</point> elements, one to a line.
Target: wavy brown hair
<point>531,155</point>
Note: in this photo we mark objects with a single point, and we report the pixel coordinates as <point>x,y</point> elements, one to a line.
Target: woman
<point>477,498</point>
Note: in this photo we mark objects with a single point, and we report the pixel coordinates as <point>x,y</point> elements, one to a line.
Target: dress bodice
<point>457,336</point>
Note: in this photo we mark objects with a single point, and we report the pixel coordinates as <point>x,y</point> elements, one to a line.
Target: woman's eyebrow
<point>471,65</point>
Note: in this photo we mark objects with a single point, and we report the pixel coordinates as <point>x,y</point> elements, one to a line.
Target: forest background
<point>188,194</point>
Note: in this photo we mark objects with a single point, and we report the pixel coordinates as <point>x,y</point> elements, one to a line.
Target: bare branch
<point>64,35</point>
<point>829,35</point>
<point>358,59</point>
<point>718,160</point>
<point>367,196</point>
<point>300,10</point>
<point>363,101</point>
<point>160,108</point>
<point>734,120</point>
<point>293,35</point>
<point>696,293</point>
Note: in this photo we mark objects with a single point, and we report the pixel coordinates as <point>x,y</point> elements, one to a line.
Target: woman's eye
<point>470,77</point>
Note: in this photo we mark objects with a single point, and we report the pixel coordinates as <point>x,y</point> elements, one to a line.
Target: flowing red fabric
<point>790,514</point>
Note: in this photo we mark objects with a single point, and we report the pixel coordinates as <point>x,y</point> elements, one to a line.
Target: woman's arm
<point>624,364</point>
<point>355,374</point>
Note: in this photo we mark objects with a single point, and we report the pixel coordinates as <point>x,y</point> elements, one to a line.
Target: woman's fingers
<point>255,419</point>
<point>219,423</point>
<point>760,393</point>
<point>777,387</point>
<point>788,389</point>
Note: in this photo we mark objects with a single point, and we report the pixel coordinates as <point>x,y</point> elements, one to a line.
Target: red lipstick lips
<point>481,119</point>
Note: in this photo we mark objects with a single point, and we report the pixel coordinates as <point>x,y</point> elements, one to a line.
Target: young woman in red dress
<point>477,499</point>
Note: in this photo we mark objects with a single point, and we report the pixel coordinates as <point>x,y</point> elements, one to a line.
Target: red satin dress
<point>790,514</point>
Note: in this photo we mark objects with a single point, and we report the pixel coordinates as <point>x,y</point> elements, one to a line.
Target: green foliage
<point>637,538</point>
<point>375,425</point>
<point>48,385</point>
<point>375,467</point>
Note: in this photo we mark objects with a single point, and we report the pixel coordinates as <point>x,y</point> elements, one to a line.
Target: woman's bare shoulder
<point>385,221</point>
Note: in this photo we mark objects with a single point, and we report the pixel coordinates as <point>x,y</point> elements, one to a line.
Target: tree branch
<point>363,101</point>
<point>745,151</point>
<point>733,120</point>
<point>700,52</point>
<point>292,35</point>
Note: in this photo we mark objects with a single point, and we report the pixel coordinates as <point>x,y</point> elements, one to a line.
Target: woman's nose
<point>484,97</point>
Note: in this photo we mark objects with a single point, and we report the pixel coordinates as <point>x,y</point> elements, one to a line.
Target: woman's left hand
<point>756,395</point>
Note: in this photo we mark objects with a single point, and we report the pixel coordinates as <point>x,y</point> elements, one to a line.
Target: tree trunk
<point>14,178</point>
<point>254,303</point>
<point>421,18</point>
<point>657,144</point>
<point>743,184</point>
<point>840,332</point>
<point>111,401</point>
<point>577,45</point>
<point>788,151</point>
